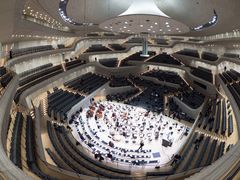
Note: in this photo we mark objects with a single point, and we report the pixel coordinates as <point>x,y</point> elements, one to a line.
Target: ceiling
<point>190,12</point>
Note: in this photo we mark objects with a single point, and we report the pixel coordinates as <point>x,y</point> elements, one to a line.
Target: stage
<point>118,129</point>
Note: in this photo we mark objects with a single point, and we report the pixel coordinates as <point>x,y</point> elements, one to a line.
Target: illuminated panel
<point>211,23</point>
<point>63,13</point>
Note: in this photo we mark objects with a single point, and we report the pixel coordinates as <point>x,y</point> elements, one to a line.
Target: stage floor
<point>126,126</point>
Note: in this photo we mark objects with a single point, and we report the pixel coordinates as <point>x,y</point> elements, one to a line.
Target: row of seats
<point>135,40</point>
<point>120,97</point>
<point>229,76</point>
<point>191,98</point>
<point>108,34</point>
<point>231,55</point>
<point>68,136</point>
<point>86,83</point>
<point>161,42</point>
<point>97,48</point>
<point>77,160</point>
<point>35,70</point>
<point>103,148</point>
<point>117,47</point>
<point>4,80</point>
<point>93,34</point>
<point>203,152</point>
<point>189,52</point>
<point>194,40</point>
<point>209,56</point>
<point>74,63</point>
<point>202,73</point>
<point>3,71</point>
<point>152,98</point>
<point>119,82</point>
<point>15,151</point>
<point>166,76</point>
<point>68,161</point>
<point>19,52</point>
<point>176,113</point>
<point>177,39</point>
<point>31,149</point>
<point>200,151</point>
<point>215,117</point>
<point>110,62</point>
<point>37,78</point>
<point>61,46</point>
<point>235,91</point>
<point>136,57</point>
<point>60,102</point>
<point>165,59</point>
<point>230,125</point>
<point>39,74</point>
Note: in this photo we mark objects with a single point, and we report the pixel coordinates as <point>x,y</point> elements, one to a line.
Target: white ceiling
<point>190,12</point>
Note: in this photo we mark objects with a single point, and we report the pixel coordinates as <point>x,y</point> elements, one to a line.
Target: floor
<point>126,127</point>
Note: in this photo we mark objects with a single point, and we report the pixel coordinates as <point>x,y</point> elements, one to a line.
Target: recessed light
<point>156,23</point>
<point>141,25</point>
<point>124,27</point>
<point>166,23</point>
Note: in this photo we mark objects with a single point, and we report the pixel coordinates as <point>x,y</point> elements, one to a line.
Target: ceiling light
<point>148,14</point>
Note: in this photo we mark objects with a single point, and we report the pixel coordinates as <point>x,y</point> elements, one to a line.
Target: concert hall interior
<point>119,90</point>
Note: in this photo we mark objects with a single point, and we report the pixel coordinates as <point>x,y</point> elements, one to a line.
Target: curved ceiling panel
<point>213,21</point>
<point>96,11</point>
<point>190,12</point>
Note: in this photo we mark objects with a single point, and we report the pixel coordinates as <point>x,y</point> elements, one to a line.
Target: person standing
<point>141,145</point>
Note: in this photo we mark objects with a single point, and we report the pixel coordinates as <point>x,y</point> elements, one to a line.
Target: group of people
<point>135,130</point>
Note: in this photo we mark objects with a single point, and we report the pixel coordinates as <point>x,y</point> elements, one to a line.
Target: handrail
<point>217,170</point>
<point>23,58</point>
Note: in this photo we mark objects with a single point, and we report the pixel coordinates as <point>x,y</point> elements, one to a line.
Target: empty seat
<point>15,151</point>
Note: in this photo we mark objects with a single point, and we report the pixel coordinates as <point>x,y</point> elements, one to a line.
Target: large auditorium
<point>120,90</point>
